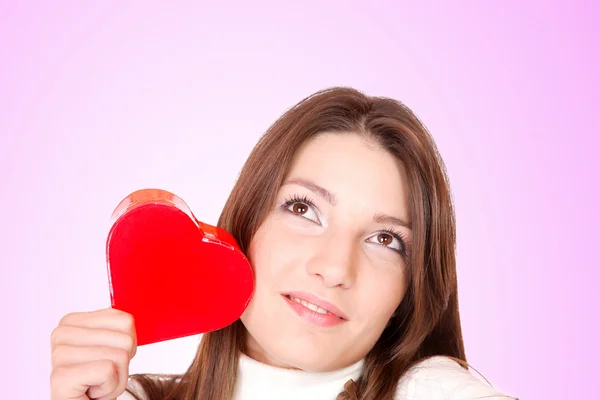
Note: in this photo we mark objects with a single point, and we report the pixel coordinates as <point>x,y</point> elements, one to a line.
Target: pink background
<point>100,99</point>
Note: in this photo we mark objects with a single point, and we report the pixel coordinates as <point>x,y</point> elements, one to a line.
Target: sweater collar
<point>254,376</point>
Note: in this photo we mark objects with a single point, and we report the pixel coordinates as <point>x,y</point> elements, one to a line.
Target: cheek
<point>271,254</point>
<point>380,295</point>
<point>274,249</point>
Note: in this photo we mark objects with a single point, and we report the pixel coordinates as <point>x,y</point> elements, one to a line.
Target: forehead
<point>356,170</point>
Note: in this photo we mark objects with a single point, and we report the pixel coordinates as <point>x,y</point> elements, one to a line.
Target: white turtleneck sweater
<point>438,378</point>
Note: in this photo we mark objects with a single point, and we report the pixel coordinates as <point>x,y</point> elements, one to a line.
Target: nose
<point>335,262</point>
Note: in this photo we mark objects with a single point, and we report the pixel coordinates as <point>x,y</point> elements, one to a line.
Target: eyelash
<point>298,199</point>
<point>400,237</point>
<point>304,199</point>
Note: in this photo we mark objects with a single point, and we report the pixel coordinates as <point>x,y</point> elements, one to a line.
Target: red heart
<point>174,274</point>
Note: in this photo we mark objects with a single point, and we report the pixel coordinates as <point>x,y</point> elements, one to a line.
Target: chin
<point>293,351</point>
<point>279,338</point>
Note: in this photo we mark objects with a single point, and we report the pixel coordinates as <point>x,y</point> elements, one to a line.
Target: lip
<point>313,317</point>
<point>329,307</point>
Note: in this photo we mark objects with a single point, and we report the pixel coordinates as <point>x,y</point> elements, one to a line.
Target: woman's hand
<point>91,352</point>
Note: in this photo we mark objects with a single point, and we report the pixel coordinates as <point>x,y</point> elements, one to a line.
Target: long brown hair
<point>426,322</point>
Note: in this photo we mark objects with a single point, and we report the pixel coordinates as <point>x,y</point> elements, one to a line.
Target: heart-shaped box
<point>174,274</point>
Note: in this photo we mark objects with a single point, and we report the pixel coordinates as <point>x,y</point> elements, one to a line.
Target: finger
<point>73,381</point>
<point>66,355</point>
<point>109,318</point>
<point>87,337</point>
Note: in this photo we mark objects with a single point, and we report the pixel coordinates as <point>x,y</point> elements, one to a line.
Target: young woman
<point>345,213</point>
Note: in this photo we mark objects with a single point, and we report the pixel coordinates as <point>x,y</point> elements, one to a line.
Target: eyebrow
<point>388,219</point>
<point>313,187</point>
<point>330,198</point>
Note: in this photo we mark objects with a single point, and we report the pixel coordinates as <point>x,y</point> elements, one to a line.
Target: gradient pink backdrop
<point>100,99</point>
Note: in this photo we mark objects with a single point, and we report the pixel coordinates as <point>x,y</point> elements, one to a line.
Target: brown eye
<point>299,208</point>
<point>302,209</point>
<point>388,240</point>
<point>384,239</point>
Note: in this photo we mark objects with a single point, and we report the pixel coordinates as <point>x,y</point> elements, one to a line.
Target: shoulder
<point>126,396</point>
<point>441,378</point>
<point>136,388</point>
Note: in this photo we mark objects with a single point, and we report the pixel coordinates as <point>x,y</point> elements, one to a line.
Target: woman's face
<point>330,258</point>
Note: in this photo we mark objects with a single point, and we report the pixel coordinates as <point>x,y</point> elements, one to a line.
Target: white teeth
<point>310,306</point>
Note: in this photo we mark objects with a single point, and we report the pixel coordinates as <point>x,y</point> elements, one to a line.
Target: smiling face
<point>330,258</point>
